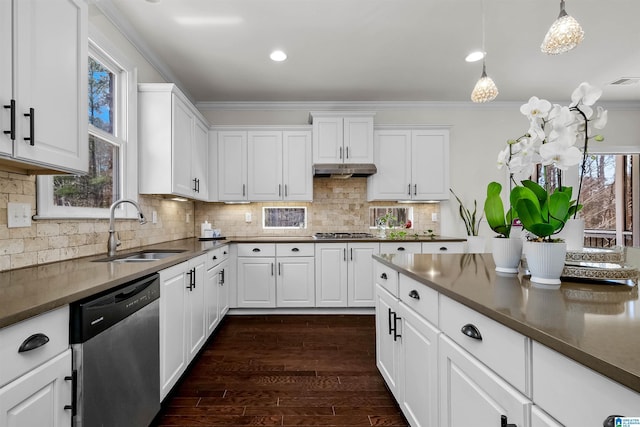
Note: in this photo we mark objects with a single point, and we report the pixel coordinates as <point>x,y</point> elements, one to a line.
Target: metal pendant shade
<point>485,89</point>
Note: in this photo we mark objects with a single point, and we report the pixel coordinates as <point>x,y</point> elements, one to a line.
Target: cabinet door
<point>232,166</point>
<point>392,156</point>
<point>471,394</point>
<point>265,166</point>
<point>358,140</point>
<point>387,352</point>
<point>331,275</point>
<point>430,164</point>
<point>6,91</point>
<point>223,289</point>
<point>418,380</point>
<point>199,161</point>
<point>212,315</point>
<point>295,282</point>
<point>38,398</point>
<point>50,76</point>
<point>360,274</point>
<point>182,141</point>
<point>195,309</point>
<point>173,355</point>
<point>297,176</point>
<point>328,140</point>
<point>256,282</point>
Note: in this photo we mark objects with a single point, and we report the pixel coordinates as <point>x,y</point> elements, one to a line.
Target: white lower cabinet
<point>42,397</point>
<point>387,348</point>
<point>182,319</point>
<point>472,394</point>
<point>295,282</point>
<point>216,294</point>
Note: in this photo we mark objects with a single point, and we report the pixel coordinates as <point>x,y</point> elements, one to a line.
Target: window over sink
<point>284,217</point>
<point>391,216</point>
<point>112,117</point>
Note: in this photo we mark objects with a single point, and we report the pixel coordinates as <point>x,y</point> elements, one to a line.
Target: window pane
<point>598,192</point>
<point>629,164</point>
<point>97,189</point>
<point>398,216</point>
<point>284,217</point>
<point>101,96</point>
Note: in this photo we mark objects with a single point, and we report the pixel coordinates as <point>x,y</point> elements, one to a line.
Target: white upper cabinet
<point>43,92</point>
<point>297,176</point>
<point>265,165</point>
<point>232,166</point>
<point>342,137</point>
<point>412,163</point>
<point>173,143</point>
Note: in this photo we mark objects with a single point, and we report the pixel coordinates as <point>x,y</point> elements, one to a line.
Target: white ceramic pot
<point>475,244</point>
<point>573,234</point>
<point>545,261</point>
<point>507,253</point>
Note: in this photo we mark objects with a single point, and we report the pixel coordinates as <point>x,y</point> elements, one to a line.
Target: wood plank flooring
<point>285,370</point>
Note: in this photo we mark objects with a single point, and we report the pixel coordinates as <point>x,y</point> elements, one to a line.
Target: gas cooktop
<point>343,236</point>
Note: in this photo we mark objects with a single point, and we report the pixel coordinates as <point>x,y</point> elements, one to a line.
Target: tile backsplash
<point>339,205</point>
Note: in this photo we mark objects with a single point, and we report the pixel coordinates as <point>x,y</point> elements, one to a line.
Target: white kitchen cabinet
<point>182,319</point>
<point>400,247</point>
<point>216,295</point>
<point>173,143</point>
<point>412,163</point>
<point>472,394</point>
<point>45,87</point>
<point>387,334</point>
<point>342,137</point>
<point>256,282</point>
<point>232,166</point>
<point>297,173</point>
<point>295,282</point>
<point>42,397</point>
<point>264,165</point>
<point>443,247</point>
<point>344,274</point>
<point>224,293</point>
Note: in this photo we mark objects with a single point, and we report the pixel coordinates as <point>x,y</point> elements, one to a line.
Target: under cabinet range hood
<point>344,170</point>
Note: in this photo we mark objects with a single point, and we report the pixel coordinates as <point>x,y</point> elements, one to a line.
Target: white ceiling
<point>379,50</point>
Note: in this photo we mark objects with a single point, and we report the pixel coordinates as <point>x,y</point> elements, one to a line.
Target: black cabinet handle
<point>351,254</point>
<point>295,250</point>
<point>344,254</point>
<point>383,276</point>
<point>32,126</point>
<point>409,189</point>
<point>503,422</point>
<point>74,392</point>
<point>33,342</point>
<point>389,319</point>
<point>611,420</point>
<point>414,294</point>
<point>471,331</point>
<point>221,274</point>
<point>191,274</point>
<point>272,269</point>
<point>444,248</point>
<point>279,269</point>
<point>12,120</point>
<point>401,249</point>
<point>396,335</point>
<point>255,250</point>
<point>279,190</point>
<point>415,189</point>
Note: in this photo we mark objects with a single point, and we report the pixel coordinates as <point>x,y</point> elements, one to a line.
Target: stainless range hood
<point>343,170</point>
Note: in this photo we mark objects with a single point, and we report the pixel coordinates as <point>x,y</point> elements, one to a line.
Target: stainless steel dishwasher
<point>115,341</point>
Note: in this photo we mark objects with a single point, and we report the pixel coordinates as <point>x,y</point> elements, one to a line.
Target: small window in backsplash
<point>284,217</point>
<point>392,216</point>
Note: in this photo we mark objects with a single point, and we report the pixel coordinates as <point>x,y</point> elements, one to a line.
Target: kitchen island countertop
<point>596,324</point>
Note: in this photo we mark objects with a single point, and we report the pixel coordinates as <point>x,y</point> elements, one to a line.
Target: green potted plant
<point>544,215</point>
<point>506,252</point>
<point>475,243</point>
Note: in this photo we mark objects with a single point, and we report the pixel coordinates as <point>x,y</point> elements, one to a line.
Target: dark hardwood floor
<point>285,371</point>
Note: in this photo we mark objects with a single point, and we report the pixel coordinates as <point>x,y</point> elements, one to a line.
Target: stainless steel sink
<point>142,256</point>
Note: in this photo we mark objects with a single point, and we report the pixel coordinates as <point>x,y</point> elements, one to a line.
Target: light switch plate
<point>18,215</point>
<point>247,217</point>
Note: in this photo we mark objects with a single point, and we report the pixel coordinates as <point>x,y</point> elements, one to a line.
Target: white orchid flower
<point>503,158</point>
<point>521,168</point>
<point>536,109</point>
<point>585,94</point>
<point>560,155</point>
<point>601,118</point>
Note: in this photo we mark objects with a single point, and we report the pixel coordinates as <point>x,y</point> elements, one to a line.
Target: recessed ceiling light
<point>153,1</point>
<point>474,56</point>
<point>278,56</point>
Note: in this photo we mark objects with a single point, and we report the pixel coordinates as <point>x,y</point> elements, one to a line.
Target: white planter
<point>507,254</point>
<point>545,261</point>
<point>573,234</point>
<point>475,244</point>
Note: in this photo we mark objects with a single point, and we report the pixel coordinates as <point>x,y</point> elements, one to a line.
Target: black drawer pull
<point>33,342</point>
<point>214,257</point>
<point>414,294</point>
<point>471,331</point>
<point>383,276</point>
<point>401,249</point>
<point>503,422</point>
<point>444,248</point>
<point>255,250</point>
<point>295,250</point>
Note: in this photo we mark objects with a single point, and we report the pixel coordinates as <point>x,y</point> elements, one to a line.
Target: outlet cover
<point>18,215</point>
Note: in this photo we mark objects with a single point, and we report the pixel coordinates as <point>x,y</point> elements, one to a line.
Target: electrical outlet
<point>18,215</point>
<point>434,216</point>
<point>154,217</point>
<point>188,217</point>
<point>247,217</point>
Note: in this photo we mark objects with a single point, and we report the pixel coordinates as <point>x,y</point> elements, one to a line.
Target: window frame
<point>125,135</point>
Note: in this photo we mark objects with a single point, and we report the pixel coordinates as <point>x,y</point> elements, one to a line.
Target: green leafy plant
<point>499,221</point>
<point>541,213</point>
<point>468,217</point>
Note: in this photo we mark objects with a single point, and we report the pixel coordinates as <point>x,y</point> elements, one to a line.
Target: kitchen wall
<point>339,205</point>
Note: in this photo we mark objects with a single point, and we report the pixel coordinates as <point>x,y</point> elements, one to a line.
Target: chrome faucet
<point>113,242</point>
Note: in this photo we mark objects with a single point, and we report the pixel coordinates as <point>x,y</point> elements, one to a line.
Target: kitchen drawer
<point>52,324</point>
<point>387,278</point>
<point>400,247</point>
<point>560,385</point>
<point>216,256</point>
<point>258,249</point>
<point>420,298</point>
<point>442,247</point>
<point>295,249</point>
<point>500,348</point>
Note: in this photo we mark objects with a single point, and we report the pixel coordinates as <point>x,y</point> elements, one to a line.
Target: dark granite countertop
<point>596,324</point>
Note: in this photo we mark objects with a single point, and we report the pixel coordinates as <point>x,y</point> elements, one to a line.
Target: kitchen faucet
<point>113,242</point>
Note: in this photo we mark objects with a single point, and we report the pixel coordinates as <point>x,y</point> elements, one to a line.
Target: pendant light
<point>565,34</point>
<point>485,89</point>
